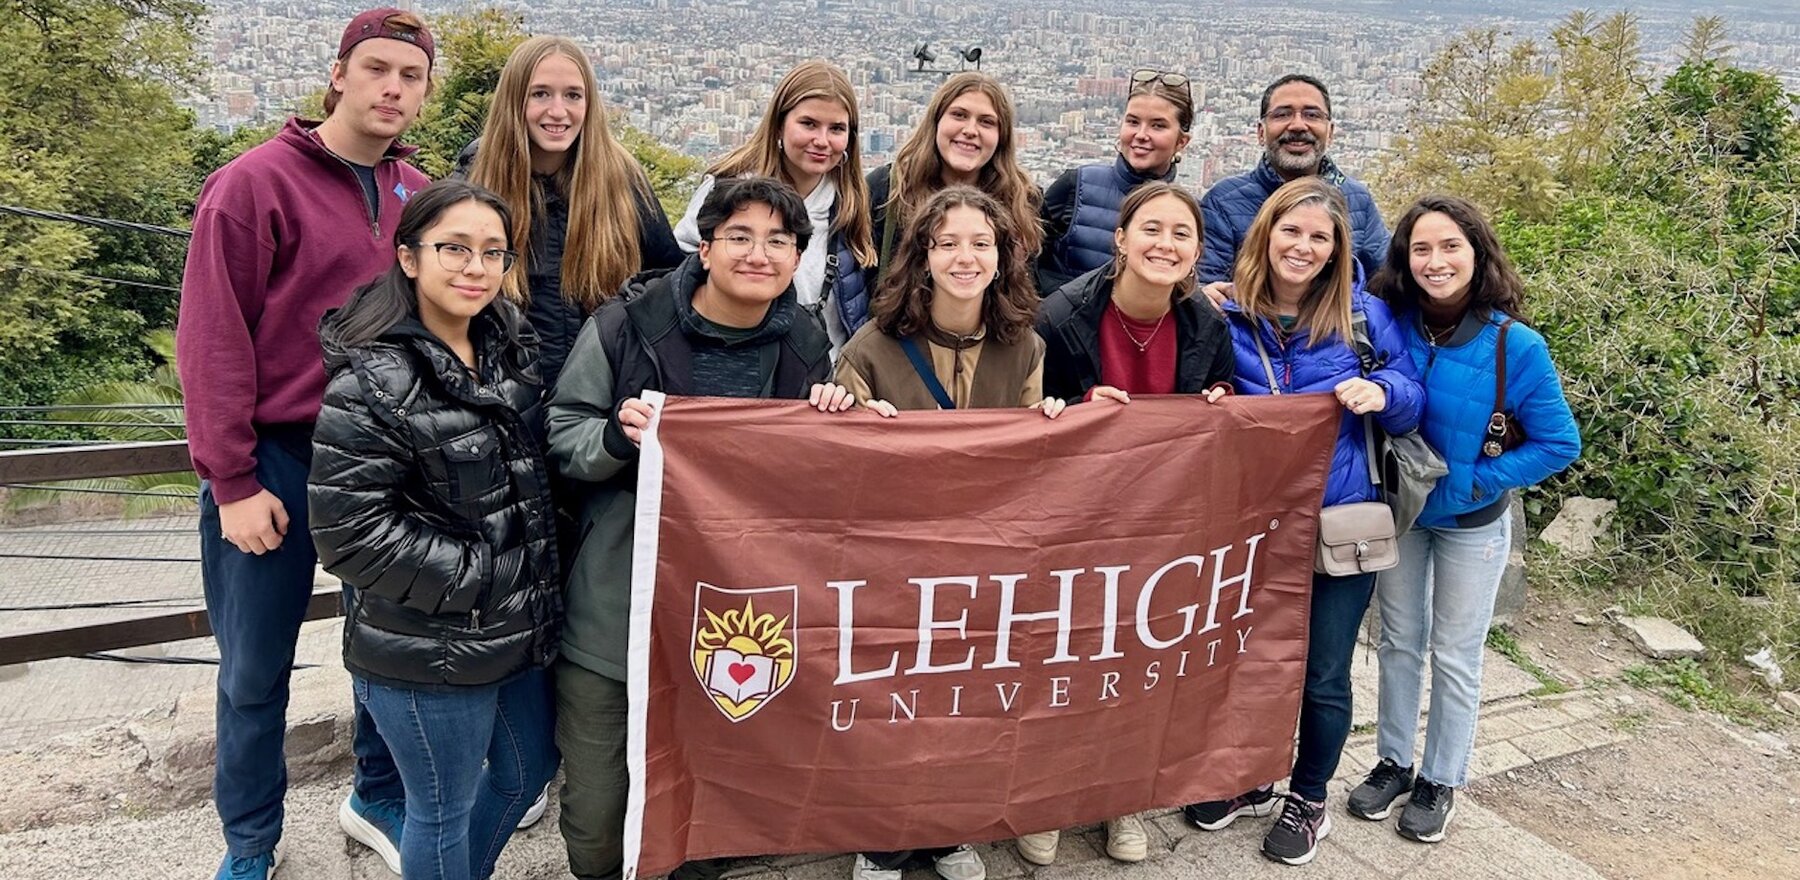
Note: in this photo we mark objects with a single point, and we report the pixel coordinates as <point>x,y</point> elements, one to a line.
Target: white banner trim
<point>644,545</point>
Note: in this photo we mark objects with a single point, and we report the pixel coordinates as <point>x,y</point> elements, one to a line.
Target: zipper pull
<point>475,619</point>
<point>375,229</point>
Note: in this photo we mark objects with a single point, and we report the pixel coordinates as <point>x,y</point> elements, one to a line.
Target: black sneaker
<point>1374,798</point>
<point>1295,838</point>
<point>1214,815</point>
<point>1427,812</point>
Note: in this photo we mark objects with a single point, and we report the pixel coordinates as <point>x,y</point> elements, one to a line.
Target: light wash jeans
<point>1441,597</point>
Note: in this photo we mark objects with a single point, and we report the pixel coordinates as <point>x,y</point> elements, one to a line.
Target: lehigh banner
<point>854,633</point>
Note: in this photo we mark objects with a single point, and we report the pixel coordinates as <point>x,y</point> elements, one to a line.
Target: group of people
<point>458,440</point>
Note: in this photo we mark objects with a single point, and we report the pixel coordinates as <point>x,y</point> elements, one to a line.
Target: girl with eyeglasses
<point>1081,209</point>
<point>585,218</point>
<point>429,498</point>
<point>808,139</point>
<point>951,329</point>
<point>1297,326</point>
<point>965,138</point>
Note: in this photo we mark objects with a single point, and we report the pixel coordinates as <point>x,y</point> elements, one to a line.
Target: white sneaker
<point>962,863</point>
<point>866,870</point>
<point>536,810</point>
<point>365,823</point>
<point>1126,839</point>
<point>1039,848</point>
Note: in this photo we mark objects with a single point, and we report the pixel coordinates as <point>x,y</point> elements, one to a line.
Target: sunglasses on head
<point>1146,75</point>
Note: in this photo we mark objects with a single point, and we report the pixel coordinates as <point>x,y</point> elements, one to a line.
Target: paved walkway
<point>1516,729</point>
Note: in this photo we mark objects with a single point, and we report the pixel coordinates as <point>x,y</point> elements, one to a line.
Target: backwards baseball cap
<point>375,23</point>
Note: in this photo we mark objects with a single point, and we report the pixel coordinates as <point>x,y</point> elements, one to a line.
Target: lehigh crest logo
<point>743,652</point>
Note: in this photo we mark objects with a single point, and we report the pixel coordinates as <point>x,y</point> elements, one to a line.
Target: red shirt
<point>1134,370</point>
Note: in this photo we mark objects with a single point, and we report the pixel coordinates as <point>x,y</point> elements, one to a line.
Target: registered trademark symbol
<point>1274,524</point>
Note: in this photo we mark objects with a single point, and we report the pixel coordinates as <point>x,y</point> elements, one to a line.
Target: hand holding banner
<point>860,633</point>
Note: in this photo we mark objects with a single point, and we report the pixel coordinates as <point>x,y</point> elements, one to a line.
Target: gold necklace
<point>1145,345</point>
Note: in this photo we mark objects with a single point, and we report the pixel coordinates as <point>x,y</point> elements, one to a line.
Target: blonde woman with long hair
<point>965,137</point>
<point>584,216</point>
<point>807,138</point>
<point>1298,326</point>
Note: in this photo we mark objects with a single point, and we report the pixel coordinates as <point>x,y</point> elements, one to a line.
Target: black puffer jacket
<point>429,496</point>
<point>1070,324</point>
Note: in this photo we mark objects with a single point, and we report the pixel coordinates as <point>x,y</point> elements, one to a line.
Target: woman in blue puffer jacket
<point>1296,325</point>
<point>1459,303</point>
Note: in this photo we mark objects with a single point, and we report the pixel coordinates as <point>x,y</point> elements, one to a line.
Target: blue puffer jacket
<point>1301,368</point>
<point>1081,211</point>
<point>1231,205</point>
<point>1459,383</point>
<point>850,295</point>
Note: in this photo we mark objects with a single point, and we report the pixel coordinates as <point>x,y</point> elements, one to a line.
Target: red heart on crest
<point>740,672</point>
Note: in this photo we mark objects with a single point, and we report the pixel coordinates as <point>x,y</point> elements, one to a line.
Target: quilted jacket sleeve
<point>1534,394</point>
<point>1398,376</point>
<point>586,442</point>
<point>1219,253</point>
<point>363,535</point>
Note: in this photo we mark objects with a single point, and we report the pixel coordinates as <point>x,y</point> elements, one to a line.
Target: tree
<point>1513,124</point>
<point>90,127</point>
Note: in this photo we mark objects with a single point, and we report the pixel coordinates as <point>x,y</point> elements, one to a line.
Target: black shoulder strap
<point>926,374</point>
<point>1361,343</point>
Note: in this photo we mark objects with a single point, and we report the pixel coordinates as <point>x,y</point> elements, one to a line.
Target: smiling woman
<point>1296,327</point>
<point>1082,206</point>
<point>965,137</point>
<point>808,139</point>
<point>584,217</point>
<point>428,498</point>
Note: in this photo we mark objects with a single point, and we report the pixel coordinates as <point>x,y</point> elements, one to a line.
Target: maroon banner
<point>854,633</point>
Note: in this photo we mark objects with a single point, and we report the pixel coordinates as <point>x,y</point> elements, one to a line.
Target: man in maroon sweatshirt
<point>281,234</point>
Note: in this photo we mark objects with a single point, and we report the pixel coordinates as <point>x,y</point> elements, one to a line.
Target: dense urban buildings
<point>695,73</point>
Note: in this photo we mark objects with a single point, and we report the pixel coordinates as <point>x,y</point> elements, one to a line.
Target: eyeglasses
<point>1311,115</point>
<point>1145,76</point>
<point>454,257</point>
<point>775,247</point>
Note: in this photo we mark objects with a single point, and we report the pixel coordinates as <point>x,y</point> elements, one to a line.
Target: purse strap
<point>1365,358</point>
<point>1268,368</point>
<point>1496,428</point>
<point>926,374</point>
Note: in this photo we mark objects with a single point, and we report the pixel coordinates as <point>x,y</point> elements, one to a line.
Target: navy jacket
<point>1081,211</point>
<point>1231,205</point>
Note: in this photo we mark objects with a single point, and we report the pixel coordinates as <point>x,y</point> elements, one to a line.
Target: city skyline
<point>695,74</point>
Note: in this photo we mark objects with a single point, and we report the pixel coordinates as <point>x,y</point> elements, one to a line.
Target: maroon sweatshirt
<point>281,234</point>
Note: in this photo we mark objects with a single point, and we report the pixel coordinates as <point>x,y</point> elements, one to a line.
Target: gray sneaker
<point>1374,798</point>
<point>1428,811</point>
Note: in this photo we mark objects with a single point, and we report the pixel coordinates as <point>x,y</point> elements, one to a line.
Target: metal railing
<point>35,467</point>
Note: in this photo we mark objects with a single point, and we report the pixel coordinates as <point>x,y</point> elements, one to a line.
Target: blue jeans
<point>255,605</point>
<point>1440,596</point>
<point>473,759</point>
<point>1338,605</point>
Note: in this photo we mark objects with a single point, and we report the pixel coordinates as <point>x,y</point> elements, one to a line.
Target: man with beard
<point>1295,128</point>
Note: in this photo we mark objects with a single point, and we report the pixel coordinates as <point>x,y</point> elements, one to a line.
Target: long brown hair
<point>1325,307</point>
<point>601,181</point>
<point>761,154</point>
<point>902,305</point>
<point>1143,194</point>
<point>919,171</point>
<point>1496,285</point>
